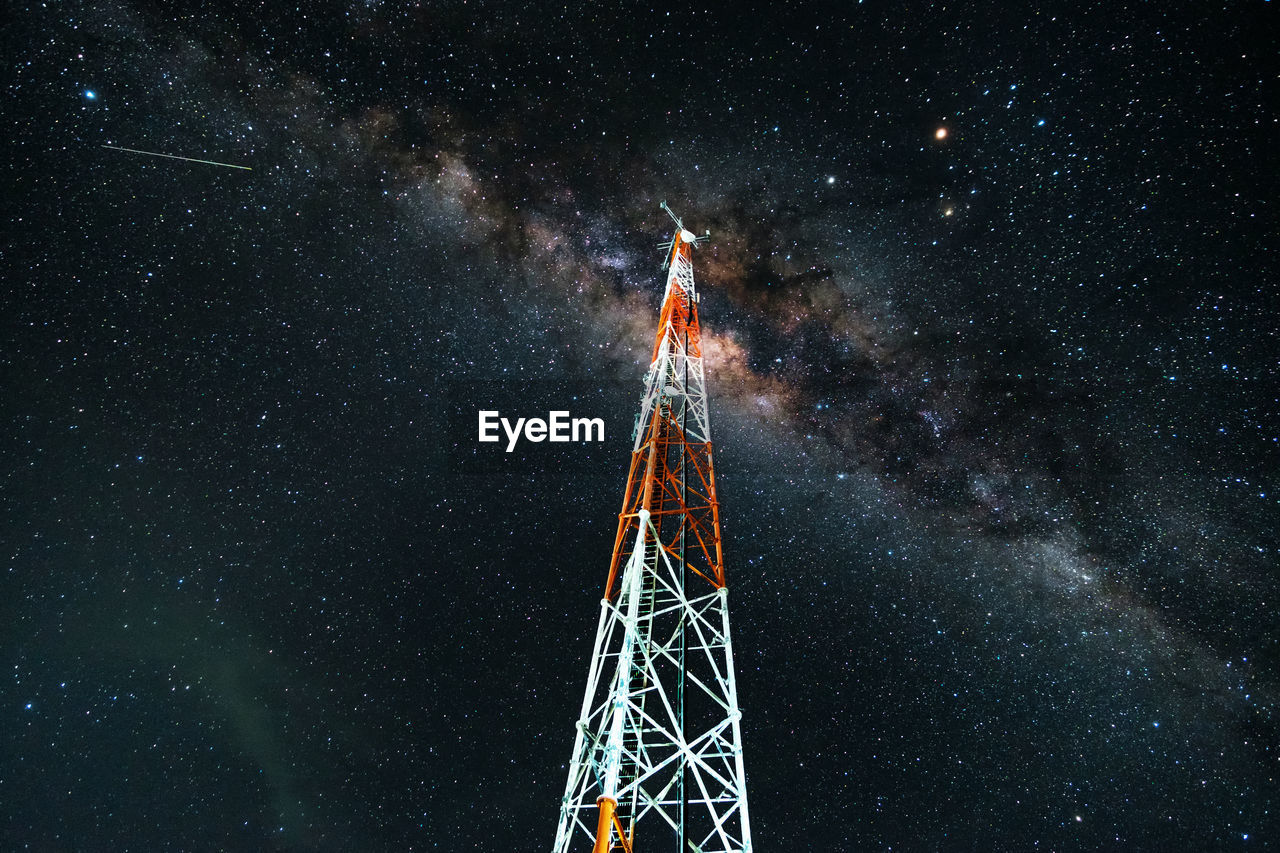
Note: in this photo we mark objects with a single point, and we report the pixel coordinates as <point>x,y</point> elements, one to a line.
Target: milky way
<point>994,413</point>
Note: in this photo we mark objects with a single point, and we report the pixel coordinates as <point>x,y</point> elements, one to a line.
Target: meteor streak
<point>176,157</point>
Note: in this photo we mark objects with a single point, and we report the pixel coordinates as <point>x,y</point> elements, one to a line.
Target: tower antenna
<point>685,236</point>
<point>659,736</point>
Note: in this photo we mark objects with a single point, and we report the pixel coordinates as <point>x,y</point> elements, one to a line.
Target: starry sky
<point>989,313</point>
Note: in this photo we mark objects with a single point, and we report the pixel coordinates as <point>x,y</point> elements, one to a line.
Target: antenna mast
<point>659,736</point>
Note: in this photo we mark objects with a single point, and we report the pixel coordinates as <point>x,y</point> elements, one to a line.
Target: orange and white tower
<point>659,739</point>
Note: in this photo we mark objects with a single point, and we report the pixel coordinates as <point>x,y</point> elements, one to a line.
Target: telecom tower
<point>659,739</point>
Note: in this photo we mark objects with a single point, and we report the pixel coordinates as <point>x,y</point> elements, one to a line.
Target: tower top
<point>683,235</point>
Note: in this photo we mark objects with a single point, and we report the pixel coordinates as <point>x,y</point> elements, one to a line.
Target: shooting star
<point>176,157</point>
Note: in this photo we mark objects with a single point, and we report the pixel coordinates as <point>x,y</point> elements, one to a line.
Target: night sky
<point>990,317</point>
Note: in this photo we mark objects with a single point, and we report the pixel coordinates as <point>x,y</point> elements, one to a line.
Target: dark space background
<point>996,414</point>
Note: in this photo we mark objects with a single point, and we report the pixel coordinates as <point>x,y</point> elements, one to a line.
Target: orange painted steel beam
<point>604,826</point>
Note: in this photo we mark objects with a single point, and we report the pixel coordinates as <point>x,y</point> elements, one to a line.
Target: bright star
<point>90,95</point>
<point>831,179</point>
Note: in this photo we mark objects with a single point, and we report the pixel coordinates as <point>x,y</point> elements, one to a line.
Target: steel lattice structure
<point>659,738</point>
